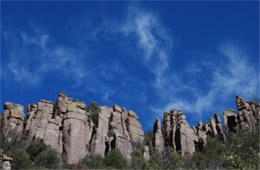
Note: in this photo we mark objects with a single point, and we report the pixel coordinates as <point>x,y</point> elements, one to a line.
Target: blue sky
<point>146,56</point>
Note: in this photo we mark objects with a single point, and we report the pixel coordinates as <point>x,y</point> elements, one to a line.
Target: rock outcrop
<point>67,126</point>
<point>158,136</point>
<point>74,131</point>
<point>6,162</point>
<point>12,120</point>
<point>176,133</point>
<point>247,117</point>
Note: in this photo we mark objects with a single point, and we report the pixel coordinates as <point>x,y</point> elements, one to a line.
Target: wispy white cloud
<point>34,57</point>
<point>230,75</point>
<point>236,75</point>
<point>152,39</point>
<point>21,74</point>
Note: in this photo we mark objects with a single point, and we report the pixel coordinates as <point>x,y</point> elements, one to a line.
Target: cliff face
<point>67,126</point>
<point>176,133</point>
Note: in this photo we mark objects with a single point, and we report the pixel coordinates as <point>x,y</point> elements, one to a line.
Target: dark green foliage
<point>148,137</point>
<point>151,165</point>
<point>92,162</point>
<point>68,166</point>
<point>115,159</point>
<point>169,159</point>
<point>94,109</point>
<point>156,160</point>
<point>137,161</point>
<point>240,151</point>
<point>48,159</point>
<point>20,157</point>
<point>110,133</point>
<point>172,159</point>
<point>35,149</point>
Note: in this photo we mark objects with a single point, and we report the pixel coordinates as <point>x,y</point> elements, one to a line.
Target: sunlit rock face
<point>176,133</point>
<point>67,127</point>
<point>12,120</point>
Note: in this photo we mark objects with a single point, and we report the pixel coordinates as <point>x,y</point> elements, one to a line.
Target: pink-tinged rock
<point>158,136</point>
<point>98,145</point>
<point>75,133</point>
<point>12,120</point>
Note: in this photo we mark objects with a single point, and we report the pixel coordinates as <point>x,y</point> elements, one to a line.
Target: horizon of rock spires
<point>176,132</point>
<point>67,127</point>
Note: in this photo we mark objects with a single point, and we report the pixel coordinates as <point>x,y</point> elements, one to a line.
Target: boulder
<point>132,114</point>
<point>116,108</point>
<point>146,153</point>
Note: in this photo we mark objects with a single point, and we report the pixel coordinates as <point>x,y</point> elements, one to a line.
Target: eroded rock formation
<point>175,131</point>
<point>12,120</point>
<point>67,127</point>
<point>247,117</point>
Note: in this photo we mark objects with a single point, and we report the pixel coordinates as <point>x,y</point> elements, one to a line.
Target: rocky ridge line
<point>67,127</point>
<point>175,132</point>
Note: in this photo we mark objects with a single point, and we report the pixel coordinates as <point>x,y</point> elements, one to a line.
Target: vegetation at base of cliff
<point>34,156</point>
<point>239,151</point>
<point>113,160</point>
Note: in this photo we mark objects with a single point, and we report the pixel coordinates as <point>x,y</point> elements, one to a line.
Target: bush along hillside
<point>240,150</point>
<point>34,156</point>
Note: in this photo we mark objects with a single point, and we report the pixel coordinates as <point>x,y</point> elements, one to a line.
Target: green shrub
<point>172,159</point>
<point>239,151</point>
<point>35,149</point>
<point>151,165</point>
<point>48,159</point>
<point>21,159</point>
<point>92,162</point>
<point>156,160</point>
<point>94,109</point>
<point>115,159</point>
<point>137,160</point>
